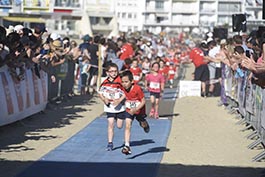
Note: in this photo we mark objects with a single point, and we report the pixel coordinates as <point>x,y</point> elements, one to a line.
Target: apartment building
<point>108,17</point>
<point>65,17</point>
<point>203,15</point>
<point>58,15</point>
<point>130,14</point>
<point>99,18</point>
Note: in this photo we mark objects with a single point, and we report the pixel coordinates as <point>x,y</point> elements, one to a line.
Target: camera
<point>44,52</point>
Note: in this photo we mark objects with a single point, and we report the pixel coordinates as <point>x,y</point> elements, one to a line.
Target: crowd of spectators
<point>37,49</point>
<point>239,56</point>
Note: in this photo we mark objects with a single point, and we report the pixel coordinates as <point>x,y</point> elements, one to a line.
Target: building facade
<point>108,17</point>
<point>198,15</point>
<point>130,14</point>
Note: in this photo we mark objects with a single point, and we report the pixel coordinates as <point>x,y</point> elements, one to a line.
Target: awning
<point>25,19</point>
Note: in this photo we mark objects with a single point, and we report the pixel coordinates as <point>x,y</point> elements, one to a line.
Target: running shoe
<point>126,150</point>
<point>109,147</point>
<point>151,114</point>
<point>144,124</point>
<point>156,115</point>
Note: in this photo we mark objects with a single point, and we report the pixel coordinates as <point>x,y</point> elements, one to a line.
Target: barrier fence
<point>240,95</point>
<point>20,99</point>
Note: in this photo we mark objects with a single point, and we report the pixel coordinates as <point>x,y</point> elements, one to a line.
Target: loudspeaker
<point>220,33</point>
<point>239,22</point>
<point>263,10</point>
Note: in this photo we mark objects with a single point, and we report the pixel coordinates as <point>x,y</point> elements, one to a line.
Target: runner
<point>135,108</point>
<point>155,83</point>
<point>112,95</point>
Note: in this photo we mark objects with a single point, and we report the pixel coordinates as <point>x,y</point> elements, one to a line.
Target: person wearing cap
<point>19,29</point>
<point>57,57</point>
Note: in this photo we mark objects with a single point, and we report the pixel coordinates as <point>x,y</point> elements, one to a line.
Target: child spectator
<point>84,74</point>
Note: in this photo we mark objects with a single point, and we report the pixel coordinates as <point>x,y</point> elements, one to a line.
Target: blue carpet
<point>84,154</point>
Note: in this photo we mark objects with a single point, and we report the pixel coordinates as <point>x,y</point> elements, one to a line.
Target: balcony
<point>156,10</point>
<point>184,11</point>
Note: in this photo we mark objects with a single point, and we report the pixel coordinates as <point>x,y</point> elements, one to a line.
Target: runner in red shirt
<point>135,108</point>
<point>171,74</point>
<point>163,69</point>
<point>136,71</point>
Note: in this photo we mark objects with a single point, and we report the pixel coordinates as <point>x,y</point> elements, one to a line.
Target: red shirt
<point>136,74</point>
<point>197,57</point>
<point>174,61</point>
<point>134,97</point>
<point>164,71</point>
<point>126,51</point>
<point>171,72</point>
<point>155,82</point>
<point>112,90</point>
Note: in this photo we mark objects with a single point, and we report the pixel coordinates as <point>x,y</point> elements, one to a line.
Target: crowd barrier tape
<point>20,99</point>
<point>249,99</point>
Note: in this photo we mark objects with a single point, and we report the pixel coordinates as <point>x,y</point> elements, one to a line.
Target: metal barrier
<point>248,100</point>
<point>24,98</point>
<point>20,99</point>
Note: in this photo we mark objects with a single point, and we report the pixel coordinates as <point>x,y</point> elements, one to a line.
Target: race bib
<point>136,78</point>
<point>171,72</point>
<point>111,93</point>
<point>154,85</point>
<point>132,104</point>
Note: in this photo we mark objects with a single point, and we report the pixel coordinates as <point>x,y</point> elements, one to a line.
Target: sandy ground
<point>204,138</point>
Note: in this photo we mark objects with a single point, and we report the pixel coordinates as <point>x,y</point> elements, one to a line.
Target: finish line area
<point>84,154</point>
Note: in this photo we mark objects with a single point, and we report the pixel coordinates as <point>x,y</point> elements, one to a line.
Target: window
<point>159,5</point>
<point>129,15</point>
<point>107,20</point>
<point>70,24</point>
<point>94,20</point>
<point>123,15</point>
<point>6,2</point>
<point>229,7</point>
<point>56,27</point>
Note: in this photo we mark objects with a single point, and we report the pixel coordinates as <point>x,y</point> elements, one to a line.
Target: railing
<point>248,100</point>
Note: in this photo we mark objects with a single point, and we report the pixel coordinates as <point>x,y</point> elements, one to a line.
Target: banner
<point>189,88</point>
<point>20,99</point>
